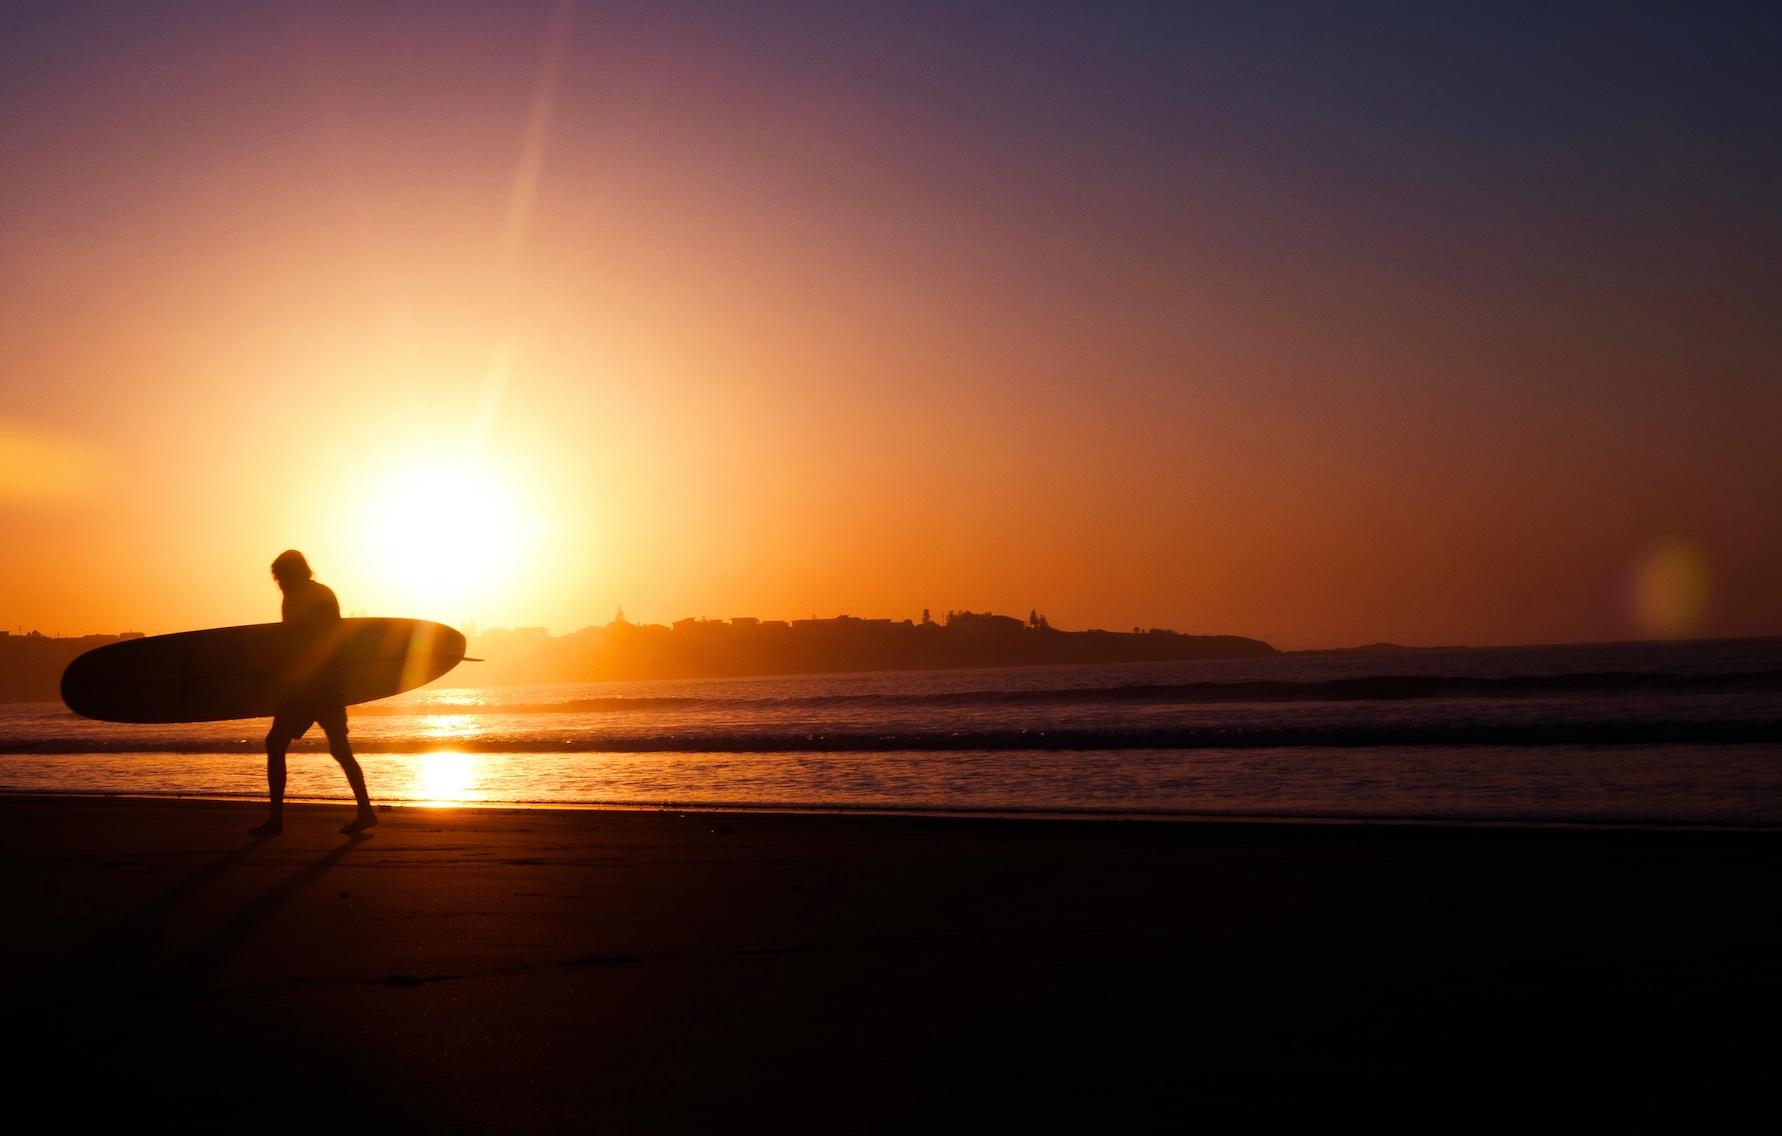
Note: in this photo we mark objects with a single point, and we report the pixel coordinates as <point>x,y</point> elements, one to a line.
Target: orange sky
<point>1322,334</point>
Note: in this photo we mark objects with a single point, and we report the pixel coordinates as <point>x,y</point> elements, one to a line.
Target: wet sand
<point>485,970</point>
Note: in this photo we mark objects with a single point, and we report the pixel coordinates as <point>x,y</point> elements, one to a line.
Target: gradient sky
<point>1320,323</point>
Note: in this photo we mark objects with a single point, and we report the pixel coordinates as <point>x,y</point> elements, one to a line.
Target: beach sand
<point>503,970</point>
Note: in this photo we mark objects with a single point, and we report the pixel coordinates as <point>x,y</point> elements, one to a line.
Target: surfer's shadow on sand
<point>191,970</point>
<point>133,951</point>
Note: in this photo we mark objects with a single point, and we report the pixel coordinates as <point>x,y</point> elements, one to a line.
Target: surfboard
<point>249,671</point>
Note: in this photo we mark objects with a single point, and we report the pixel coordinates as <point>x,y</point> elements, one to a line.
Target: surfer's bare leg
<point>343,753</point>
<point>275,787</point>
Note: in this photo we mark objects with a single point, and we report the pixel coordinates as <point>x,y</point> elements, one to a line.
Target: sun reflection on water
<point>450,726</point>
<point>449,696</point>
<point>445,778</point>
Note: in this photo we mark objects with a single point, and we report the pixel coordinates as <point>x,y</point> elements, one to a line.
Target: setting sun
<point>447,532</point>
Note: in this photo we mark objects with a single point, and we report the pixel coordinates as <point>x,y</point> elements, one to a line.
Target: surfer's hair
<point>290,565</point>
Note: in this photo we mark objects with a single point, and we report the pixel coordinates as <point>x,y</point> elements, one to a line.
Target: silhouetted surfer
<point>312,695</point>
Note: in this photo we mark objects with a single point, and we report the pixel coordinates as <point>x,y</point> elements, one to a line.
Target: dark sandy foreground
<point>642,971</point>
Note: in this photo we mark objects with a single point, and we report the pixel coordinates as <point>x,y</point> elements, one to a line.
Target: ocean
<point>1643,733</point>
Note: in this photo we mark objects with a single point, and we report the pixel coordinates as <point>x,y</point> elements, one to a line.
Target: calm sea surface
<point>1668,733</point>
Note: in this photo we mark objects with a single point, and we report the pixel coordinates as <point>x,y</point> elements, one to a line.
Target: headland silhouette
<point>717,648</point>
<point>31,664</point>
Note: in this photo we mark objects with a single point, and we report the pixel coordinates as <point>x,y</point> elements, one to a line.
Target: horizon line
<point>20,633</point>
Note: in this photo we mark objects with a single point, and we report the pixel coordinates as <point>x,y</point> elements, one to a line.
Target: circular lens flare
<point>1670,590</point>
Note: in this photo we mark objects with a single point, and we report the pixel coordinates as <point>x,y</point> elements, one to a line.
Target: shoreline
<point>1239,821</point>
<point>543,969</point>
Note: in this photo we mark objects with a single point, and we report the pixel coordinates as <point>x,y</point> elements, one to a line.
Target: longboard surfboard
<point>250,671</point>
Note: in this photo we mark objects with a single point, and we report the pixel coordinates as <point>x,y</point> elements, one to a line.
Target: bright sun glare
<point>446,535</point>
<point>445,778</point>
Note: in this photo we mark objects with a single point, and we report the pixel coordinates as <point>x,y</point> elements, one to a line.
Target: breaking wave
<point>1379,688</point>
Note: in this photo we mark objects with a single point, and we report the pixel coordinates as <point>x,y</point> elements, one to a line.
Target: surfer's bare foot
<point>270,828</point>
<point>360,823</point>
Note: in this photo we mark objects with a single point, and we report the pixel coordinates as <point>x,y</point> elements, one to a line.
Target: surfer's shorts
<point>289,725</point>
